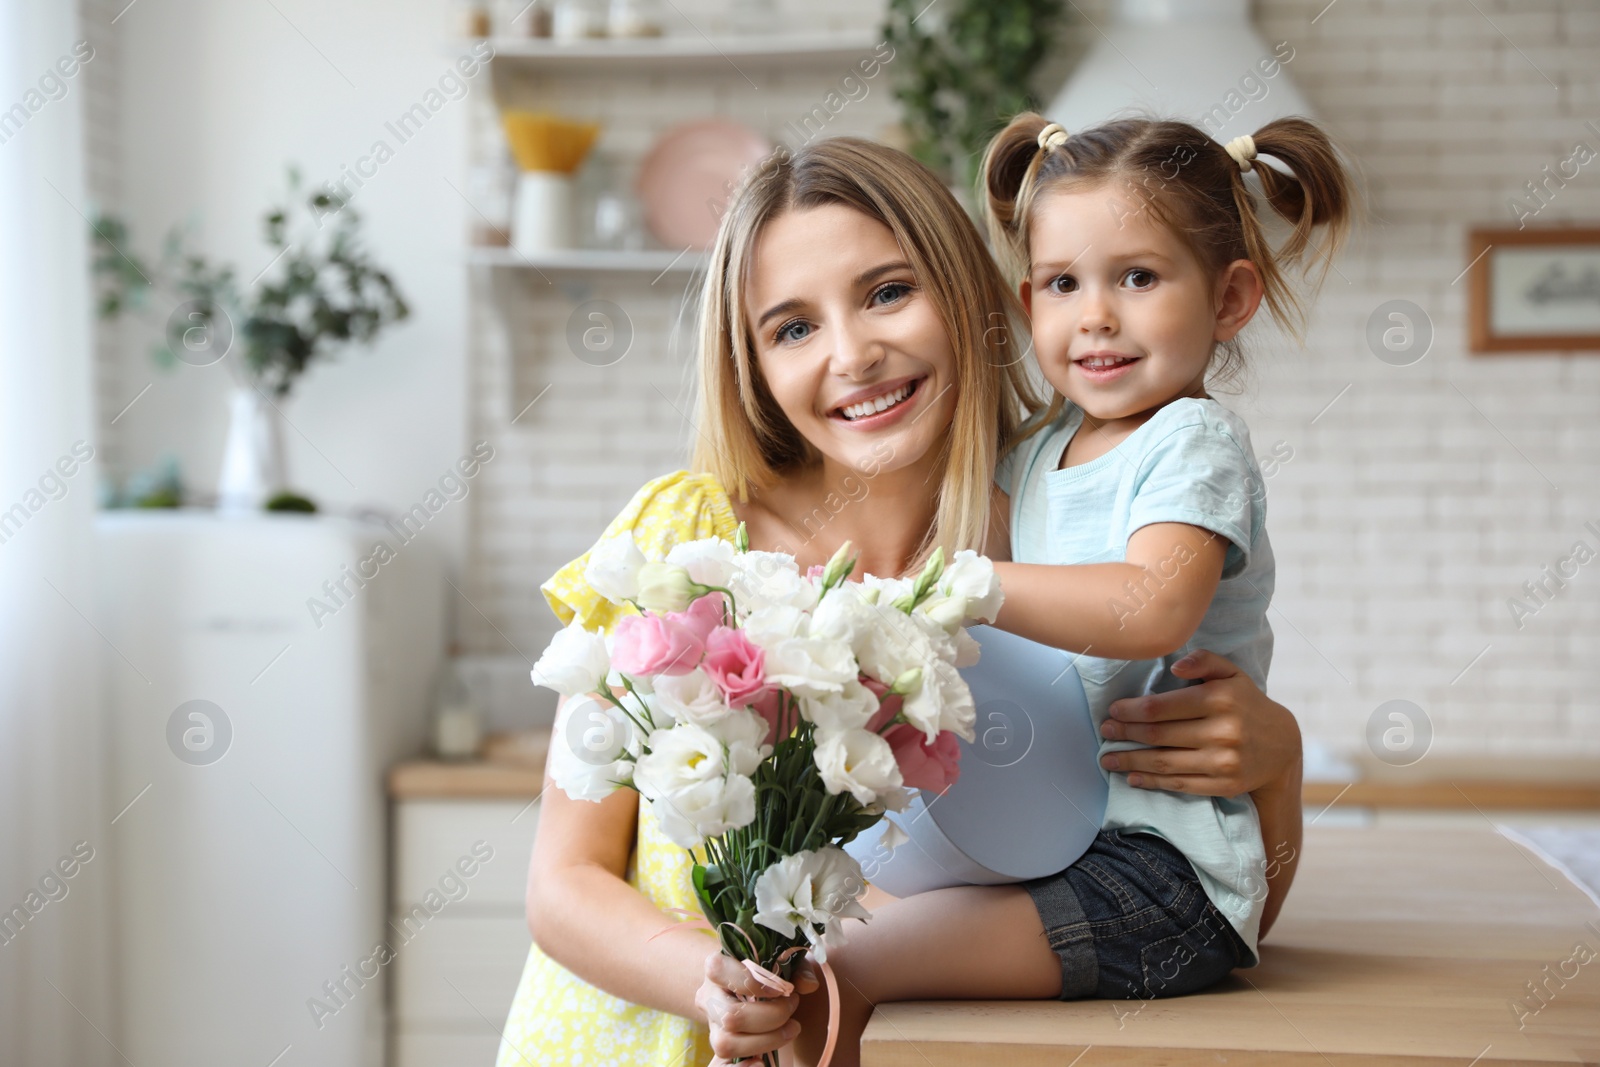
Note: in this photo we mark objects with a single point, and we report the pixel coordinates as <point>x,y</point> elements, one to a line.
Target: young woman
<point>861,372</point>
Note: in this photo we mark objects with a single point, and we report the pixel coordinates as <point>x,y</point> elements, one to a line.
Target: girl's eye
<point>1065,283</point>
<point>794,330</point>
<point>1139,278</point>
<point>894,291</point>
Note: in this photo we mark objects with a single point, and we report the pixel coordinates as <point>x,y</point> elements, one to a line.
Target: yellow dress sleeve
<point>557,1019</point>
<point>671,509</point>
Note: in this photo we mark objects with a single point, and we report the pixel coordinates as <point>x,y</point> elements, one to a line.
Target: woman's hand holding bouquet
<point>768,717</point>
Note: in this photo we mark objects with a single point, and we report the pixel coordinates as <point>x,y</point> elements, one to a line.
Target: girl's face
<point>1123,315</point>
<point>852,349</point>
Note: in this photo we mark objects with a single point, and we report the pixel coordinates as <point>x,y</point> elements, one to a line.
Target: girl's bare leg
<point>965,943</point>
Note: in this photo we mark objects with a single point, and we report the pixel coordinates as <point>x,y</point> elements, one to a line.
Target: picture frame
<point>1533,290</point>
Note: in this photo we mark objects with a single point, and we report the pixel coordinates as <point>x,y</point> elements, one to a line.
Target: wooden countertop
<point>1395,947</point>
<point>511,766</point>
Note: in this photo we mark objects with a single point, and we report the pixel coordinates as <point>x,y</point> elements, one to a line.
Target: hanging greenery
<point>962,68</point>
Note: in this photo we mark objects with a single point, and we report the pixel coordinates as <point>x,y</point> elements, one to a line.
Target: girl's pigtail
<point>1010,164</point>
<point>1317,192</point>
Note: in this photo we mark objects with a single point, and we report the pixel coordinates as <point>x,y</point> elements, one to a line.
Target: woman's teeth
<point>1105,361</point>
<point>877,404</point>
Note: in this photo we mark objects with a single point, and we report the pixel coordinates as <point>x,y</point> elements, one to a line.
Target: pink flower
<point>934,767</point>
<point>647,645</point>
<point>701,617</point>
<point>769,706</point>
<point>816,570</point>
<point>735,664</point>
<point>887,708</point>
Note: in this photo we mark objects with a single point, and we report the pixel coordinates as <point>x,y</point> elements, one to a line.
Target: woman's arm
<point>583,914</point>
<point>1220,738</point>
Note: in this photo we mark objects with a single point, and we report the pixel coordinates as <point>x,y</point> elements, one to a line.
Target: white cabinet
<point>458,925</point>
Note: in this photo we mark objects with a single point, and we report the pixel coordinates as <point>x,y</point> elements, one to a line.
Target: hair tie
<point>1052,136</point>
<point>1243,150</point>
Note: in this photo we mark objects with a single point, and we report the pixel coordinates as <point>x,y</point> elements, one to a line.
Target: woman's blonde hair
<point>745,440</point>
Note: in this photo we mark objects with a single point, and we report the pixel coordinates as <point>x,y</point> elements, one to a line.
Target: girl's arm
<point>1143,608</point>
<point>1221,737</point>
<point>583,914</point>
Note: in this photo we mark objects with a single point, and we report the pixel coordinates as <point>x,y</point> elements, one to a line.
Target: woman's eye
<point>891,292</point>
<point>1066,283</point>
<point>1139,278</point>
<point>793,331</point>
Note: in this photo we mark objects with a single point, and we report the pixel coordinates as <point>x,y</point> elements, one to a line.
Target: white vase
<point>542,215</point>
<point>252,462</point>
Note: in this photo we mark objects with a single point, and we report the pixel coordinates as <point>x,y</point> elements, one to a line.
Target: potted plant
<point>320,292</point>
<point>962,68</point>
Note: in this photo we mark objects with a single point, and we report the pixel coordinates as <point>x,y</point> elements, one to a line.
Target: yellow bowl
<point>542,141</point>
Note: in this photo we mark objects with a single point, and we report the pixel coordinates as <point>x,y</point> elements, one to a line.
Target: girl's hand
<point>1221,738</point>
<point>744,1029</point>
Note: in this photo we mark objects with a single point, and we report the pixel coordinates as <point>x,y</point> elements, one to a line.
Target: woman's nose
<point>856,352</point>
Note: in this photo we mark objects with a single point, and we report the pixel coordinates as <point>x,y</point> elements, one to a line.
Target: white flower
<point>941,701</point>
<point>840,614</point>
<point>692,698</point>
<point>697,812</point>
<point>574,662</point>
<point>771,623</point>
<point>592,750</point>
<point>971,578</point>
<point>709,561</point>
<point>810,889</point>
<point>889,589</point>
<point>695,778</point>
<point>764,578</point>
<point>613,568</point>
<point>743,732</point>
<point>947,611</point>
<point>858,762</point>
<point>664,587</point>
<point>848,709</point>
<point>809,666</point>
<point>891,643</point>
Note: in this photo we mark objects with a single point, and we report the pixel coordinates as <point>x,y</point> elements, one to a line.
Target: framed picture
<point>1534,290</point>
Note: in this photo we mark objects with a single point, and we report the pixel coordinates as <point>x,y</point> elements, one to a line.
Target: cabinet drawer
<point>433,836</point>
<point>460,970</point>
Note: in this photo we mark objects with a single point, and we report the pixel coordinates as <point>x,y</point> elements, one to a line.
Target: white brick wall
<point>1414,506</point>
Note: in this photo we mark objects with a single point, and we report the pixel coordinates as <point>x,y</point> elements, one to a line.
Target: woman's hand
<point>1219,739</point>
<point>744,1029</point>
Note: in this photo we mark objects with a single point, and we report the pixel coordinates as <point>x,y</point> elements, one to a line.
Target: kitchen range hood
<point>1198,60</point>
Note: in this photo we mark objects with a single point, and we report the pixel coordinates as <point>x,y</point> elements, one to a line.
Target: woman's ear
<point>1025,294</point>
<point>1239,294</point>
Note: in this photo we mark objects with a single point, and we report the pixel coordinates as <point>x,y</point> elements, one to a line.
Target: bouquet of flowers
<point>768,716</point>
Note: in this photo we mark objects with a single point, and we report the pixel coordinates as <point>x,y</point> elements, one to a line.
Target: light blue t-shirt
<point>1190,463</point>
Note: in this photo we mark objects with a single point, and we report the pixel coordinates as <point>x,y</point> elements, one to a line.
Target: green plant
<point>321,290</point>
<point>962,68</point>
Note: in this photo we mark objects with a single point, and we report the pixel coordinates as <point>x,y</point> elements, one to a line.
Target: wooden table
<point>1395,947</point>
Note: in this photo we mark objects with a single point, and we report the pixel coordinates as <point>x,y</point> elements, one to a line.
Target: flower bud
<point>907,682</point>
<point>665,587</point>
<point>839,567</point>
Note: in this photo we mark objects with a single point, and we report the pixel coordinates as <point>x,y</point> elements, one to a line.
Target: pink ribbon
<point>779,986</point>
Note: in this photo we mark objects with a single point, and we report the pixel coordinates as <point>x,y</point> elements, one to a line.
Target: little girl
<point>1136,508</point>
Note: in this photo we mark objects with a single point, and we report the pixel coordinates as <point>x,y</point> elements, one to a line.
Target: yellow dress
<point>558,1019</point>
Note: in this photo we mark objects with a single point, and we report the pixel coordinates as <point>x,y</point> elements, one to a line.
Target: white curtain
<point>56,963</point>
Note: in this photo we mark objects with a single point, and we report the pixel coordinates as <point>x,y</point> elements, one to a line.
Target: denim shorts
<point>1130,921</point>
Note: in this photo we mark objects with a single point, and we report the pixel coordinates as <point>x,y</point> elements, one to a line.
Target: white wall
<point>212,101</point>
<point>1414,507</point>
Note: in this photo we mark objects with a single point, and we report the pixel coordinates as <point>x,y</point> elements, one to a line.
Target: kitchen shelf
<point>589,261</point>
<point>679,49</point>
